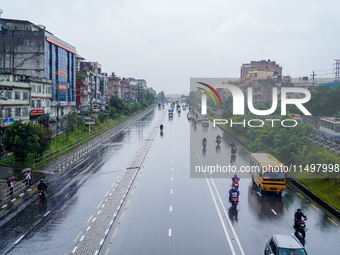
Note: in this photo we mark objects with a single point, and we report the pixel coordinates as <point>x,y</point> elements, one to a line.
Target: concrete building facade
<point>29,49</point>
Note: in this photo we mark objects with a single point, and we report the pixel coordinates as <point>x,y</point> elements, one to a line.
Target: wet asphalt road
<point>166,211</point>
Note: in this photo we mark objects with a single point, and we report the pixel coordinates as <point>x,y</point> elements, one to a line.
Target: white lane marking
<point>274,212</point>
<point>172,169</point>
<point>172,178</point>
<point>94,219</point>
<point>96,252</point>
<point>230,224</point>
<point>170,232</point>
<point>248,180</point>
<point>222,205</point>
<point>21,194</point>
<point>171,191</point>
<point>221,219</point>
<point>88,228</point>
<point>82,238</point>
<point>101,242</point>
<point>17,241</point>
<point>47,213</point>
<point>259,194</point>
<point>4,206</point>
<point>107,231</point>
<point>74,250</point>
<point>170,208</point>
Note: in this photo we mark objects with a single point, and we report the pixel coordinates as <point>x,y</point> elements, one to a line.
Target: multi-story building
<point>126,91</point>
<point>24,98</point>
<point>93,70</point>
<point>114,88</point>
<point>83,92</point>
<point>262,76</point>
<point>41,99</point>
<point>29,49</point>
<point>103,90</point>
<point>263,65</point>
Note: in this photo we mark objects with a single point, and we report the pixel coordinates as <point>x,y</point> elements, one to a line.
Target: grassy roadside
<point>326,189</point>
<point>62,141</point>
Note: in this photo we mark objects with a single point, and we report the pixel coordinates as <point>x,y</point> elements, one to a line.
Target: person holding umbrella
<point>10,183</point>
<point>28,176</point>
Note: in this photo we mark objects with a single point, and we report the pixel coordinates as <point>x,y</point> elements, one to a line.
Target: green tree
<point>44,136</point>
<point>21,139</point>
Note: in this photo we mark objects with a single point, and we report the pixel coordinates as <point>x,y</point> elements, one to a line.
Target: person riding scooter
<point>161,127</point>
<point>233,192</point>
<point>233,148</point>
<point>204,142</point>
<point>42,188</point>
<point>235,181</point>
<point>218,139</point>
<point>297,217</point>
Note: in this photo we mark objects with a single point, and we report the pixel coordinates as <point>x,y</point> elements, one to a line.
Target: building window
<point>49,90</point>
<point>38,103</point>
<point>17,95</point>
<point>9,94</point>
<point>24,111</point>
<point>38,89</point>
<point>47,103</point>
<point>33,88</point>
<point>17,112</point>
<point>25,95</point>
<point>8,112</point>
<point>33,104</point>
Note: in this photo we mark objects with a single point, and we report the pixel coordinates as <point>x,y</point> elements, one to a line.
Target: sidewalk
<point>6,172</point>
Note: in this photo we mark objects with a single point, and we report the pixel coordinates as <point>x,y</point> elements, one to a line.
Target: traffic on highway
<point>138,194</point>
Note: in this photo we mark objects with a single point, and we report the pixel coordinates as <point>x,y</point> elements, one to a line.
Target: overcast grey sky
<point>167,42</point>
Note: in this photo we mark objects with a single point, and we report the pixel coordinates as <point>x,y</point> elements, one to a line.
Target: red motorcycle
<point>234,201</point>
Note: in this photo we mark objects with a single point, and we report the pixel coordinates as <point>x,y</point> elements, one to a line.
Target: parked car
<point>284,244</point>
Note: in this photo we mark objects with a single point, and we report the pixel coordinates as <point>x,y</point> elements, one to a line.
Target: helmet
<point>298,210</point>
<point>235,175</point>
<point>41,180</point>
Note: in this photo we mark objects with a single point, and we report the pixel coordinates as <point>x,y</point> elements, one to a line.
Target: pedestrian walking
<point>11,185</point>
<point>28,177</point>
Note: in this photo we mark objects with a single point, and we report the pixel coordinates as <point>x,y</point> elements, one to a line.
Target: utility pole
<point>313,75</point>
<point>337,69</point>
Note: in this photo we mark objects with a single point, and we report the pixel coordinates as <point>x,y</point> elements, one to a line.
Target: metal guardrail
<point>17,189</point>
<point>84,146</point>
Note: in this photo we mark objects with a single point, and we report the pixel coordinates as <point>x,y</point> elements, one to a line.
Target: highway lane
<point>168,212</point>
<point>259,217</point>
<point>78,194</point>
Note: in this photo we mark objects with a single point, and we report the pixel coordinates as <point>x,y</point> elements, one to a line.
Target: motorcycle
<point>235,183</point>
<point>301,228</point>
<point>234,200</point>
<point>233,150</point>
<point>218,141</point>
<point>204,144</point>
<point>42,194</point>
